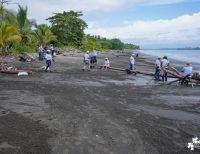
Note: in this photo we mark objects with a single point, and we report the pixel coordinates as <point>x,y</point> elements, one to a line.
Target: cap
<point>106,58</point>
<point>165,57</point>
<point>87,51</point>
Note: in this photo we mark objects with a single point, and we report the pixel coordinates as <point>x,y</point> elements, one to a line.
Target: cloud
<point>41,9</point>
<point>181,30</point>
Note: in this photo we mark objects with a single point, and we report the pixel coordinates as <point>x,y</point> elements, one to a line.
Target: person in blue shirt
<point>48,58</point>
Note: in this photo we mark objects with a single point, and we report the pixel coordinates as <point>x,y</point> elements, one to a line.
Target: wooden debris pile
<point>11,70</point>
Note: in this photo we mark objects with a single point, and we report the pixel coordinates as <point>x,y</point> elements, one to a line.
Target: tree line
<point>20,34</point>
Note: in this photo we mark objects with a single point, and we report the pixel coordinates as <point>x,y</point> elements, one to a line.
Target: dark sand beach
<point>70,111</point>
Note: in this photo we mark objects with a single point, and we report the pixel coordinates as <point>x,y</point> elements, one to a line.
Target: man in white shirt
<point>48,58</point>
<point>157,68</point>
<point>164,67</point>
<point>94,54</point>
<point>187,73</point>
<point>132,62</point>
<point>86,61</point>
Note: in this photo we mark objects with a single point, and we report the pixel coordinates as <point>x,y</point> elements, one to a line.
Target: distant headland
<point>185,48</point>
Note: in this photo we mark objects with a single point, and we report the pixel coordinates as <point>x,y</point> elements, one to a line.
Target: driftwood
<point>137,72</point>
<point>15,71</point>
<point>194,79</point>
<point>171,74</point>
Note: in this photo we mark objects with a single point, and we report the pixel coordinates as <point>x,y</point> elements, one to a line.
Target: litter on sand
<point>22,74</point>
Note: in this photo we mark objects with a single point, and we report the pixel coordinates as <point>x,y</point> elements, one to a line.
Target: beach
<point>70,111</point>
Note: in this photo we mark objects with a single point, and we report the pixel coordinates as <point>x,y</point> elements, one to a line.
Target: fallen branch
<point>14,71</point>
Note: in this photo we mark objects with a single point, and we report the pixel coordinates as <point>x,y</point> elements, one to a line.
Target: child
<point>106,64</point>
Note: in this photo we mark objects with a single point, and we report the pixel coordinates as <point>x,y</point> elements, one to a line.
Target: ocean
<point>192,56</point>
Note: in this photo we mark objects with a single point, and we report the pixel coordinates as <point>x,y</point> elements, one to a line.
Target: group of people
<point>162,65</point>
<point>91,60</point>
<point>47,55</point>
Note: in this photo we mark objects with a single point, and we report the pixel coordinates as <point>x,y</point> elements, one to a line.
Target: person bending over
<point>187,73</point>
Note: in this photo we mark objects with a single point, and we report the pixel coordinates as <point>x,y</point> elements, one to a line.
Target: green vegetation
<point>104,44</point>
<point>69,27</point>
<point>19,34</point>
<point>44,35</point>
<point>8,34</point>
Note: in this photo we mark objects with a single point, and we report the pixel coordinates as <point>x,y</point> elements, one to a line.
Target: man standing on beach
<point>86,61</point>
<point>94,55</point>
<point>41,52</point>
<point>164,67</point>
<point>157,67</point>
<point>93,59</point>
<point>132,62</point>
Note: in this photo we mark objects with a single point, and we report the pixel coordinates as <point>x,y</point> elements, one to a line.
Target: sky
<point>147,23</point>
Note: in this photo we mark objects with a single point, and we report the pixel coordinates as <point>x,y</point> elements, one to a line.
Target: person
<point>41,52</point>
<point>187,73</point>
<point>132,62</point>
<point>52,50</point>
<point>86,61</point>
<point>94,55</point>
<point>48,58</point>
<point>106,64</point>
<point>164,67</point>
<point>157,68</point>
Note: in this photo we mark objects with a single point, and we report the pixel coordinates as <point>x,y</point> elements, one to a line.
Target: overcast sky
<point>148,23</point>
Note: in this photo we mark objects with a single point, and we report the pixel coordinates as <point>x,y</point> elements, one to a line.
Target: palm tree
<point>23,24</point>
<point>44,35</point>
<point>8,35</point>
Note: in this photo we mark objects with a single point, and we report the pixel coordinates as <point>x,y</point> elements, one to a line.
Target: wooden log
<point>14,71</point>
<point>171,74</point>
<point>175,74</point>
<point>137,72</point>
<point>117,69</point>
<point>195,76</point>
<point>173,81</point>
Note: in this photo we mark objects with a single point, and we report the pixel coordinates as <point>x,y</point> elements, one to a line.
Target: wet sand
<point>70,111</point>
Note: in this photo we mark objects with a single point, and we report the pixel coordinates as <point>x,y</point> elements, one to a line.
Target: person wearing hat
<point>132,62</point>
<point>86,61</point>
<point>187,73</point>
<point>106,64</point>
<point>157,68</point>
<point>48,58</point>
<point>164,67</point>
